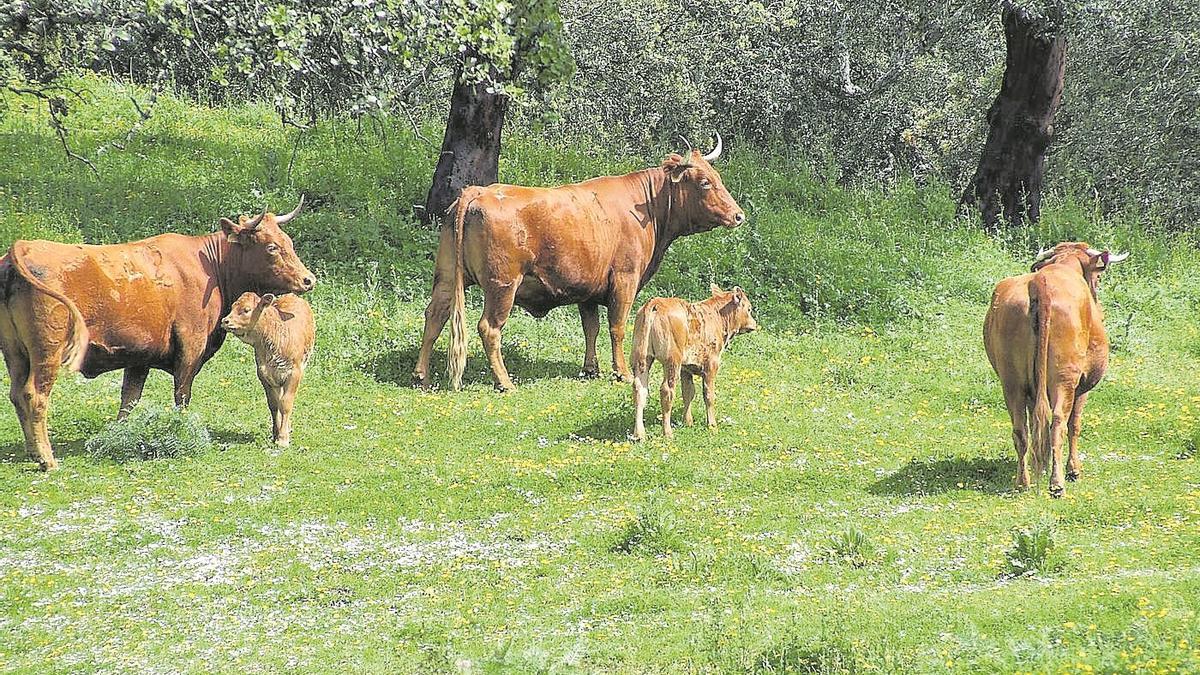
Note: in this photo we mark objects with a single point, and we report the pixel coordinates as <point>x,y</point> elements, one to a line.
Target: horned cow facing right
<point>1044,335</point>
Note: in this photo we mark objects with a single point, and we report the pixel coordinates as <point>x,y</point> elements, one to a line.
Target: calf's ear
<point>714,289</point>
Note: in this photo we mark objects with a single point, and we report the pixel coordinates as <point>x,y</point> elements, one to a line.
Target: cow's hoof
<point>283,442</point>
<point>1056,491</point>
<point>1073,476</point>
<point>627,378</point>
<point>52,465</point>
<point>505,387</point>
<point>420,380</point>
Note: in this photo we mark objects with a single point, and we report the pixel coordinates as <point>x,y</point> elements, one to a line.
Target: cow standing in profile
<point>1044,335</point>
<point>589,244</point>
<point>154,303</point>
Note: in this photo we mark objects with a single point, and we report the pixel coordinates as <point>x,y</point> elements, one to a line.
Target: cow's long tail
<point>457,360</point>
<point>1039,311</point>
<point>77,333</point>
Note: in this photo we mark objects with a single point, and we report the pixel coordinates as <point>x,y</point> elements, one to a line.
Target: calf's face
<point>244,315</point>
<point>737,309</point>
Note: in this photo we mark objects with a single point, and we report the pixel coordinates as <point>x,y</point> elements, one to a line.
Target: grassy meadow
<point>853,513</point>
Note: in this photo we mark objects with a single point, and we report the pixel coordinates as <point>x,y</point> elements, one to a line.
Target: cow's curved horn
<point>254,222</point>
<point>1094,252</point>
<point>716,152</point>
<point>295,212</point>
<point>687,156</point>
<point>1043,254</point>
<point>1117,257</point>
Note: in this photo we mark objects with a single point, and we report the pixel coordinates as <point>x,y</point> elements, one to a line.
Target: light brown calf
<point>1044,335</point>
<point>688,338</point>
<point>282,332</point>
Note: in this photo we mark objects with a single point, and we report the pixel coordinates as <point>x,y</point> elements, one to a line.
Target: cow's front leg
<point>710,395</point>
<point>689,395</point>
<point>1074,426</point>
<point>185,372</point>
<point>497,304</point>
<point>131,389</point>
<point>618,315</point>
<point>589,315</point>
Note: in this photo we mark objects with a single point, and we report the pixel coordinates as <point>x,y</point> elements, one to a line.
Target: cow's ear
<point>714,289</point>
<point>231,230</point>
<point>268,299</point>
<point>678,172</point>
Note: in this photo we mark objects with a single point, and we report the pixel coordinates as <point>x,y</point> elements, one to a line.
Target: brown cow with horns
<point>1044,335</point>
<point>589,244</point>
<point>154,303</point>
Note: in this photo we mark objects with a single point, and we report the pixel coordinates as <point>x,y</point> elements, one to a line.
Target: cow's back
<point>130,295</point>
<point>564,243</point>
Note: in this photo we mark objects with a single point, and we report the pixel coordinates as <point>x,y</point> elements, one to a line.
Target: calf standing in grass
<point>282,332</point>
<point>688,338</point>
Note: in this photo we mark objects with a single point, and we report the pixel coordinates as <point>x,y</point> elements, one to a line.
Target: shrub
<point>653,531</point>
<point>151,432</point>
<point>851,547</point>
<point>1033,552</point>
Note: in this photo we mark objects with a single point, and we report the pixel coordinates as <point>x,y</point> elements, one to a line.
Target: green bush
<point>1033,552</point>
<point>653,531</point>
<point>151,432</point>
<point>851,547</point>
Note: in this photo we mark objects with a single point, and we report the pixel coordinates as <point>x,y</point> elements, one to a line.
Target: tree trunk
<point>471,146</point>
<point>1020,121</point>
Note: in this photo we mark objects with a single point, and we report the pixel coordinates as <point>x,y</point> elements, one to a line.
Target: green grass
<point>423,532</point>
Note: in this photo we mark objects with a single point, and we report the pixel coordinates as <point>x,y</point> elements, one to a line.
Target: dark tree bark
<point>1021,122</point>
<point>470,147</point>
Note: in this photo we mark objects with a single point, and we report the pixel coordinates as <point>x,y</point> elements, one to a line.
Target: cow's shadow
<point>395,366</point>
<point>992,475</point>
<point>71,446</point>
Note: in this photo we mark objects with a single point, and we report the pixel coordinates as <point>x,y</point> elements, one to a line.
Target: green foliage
<point>1033,552</point>
<point>852,547</point>
<point>151,432</point>
<point>655,530</point>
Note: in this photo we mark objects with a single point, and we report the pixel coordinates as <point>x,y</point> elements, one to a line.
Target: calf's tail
<point>77,332</point>
<point>457,361</point>
<point>1039,312</point>
<point>641,338</point>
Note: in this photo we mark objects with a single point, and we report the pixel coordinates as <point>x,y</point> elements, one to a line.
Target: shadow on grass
<point>990,475</point>
<point>14,453</point>
<point>615,426</point>
<point>395,366</point>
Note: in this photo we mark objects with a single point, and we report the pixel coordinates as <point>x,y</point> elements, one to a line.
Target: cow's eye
<point>705,183</point>
<point>272,249</point>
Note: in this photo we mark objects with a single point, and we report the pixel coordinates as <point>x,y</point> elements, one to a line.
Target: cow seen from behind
<point>1044,336</point>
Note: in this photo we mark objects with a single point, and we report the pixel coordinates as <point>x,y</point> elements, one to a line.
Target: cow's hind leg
<point>1018,413</point>
<point>641,391</point>
<point>1074,426</point>
<point>40,358</point>
<point>589,316</point>
<point>1062,404</point>
<point>132,385</point>
<point>287,396</point>
<point>497,304</point>
<point>436,314</point>
<point>21,392</point>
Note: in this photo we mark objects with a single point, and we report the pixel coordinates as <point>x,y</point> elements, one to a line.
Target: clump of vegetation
<point>654,530</point>
<point>1188,451</point>
<point>1033,552</point>
<point>851,547</point>
<point>151,432</point>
